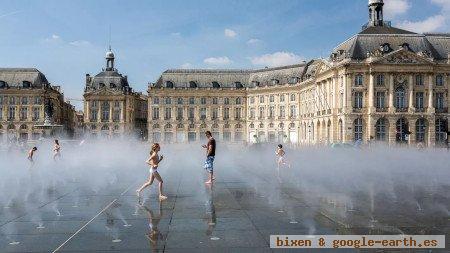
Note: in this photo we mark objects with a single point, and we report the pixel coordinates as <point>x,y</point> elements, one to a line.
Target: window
<point>94,115</point>
<point>358,125</point>
<point>203,101</point>
<point>23,113</point>
<point>3,84</point>
<point>180,101</point>
<point>24,100</point>
<point>226,101</point>
<point>380,97</point>
<point>400,98</point>
<point>155,114</point>
<point>275,81</point>
<point>116,115</point>
<point>293,111</point>
<point>227,136</point>
<point>441,130</point>
<point>169,84</point>
<point>271,112</point>
<point>203,113</point>
<point>440,102</point>
<point>292,97</point>
<point>358,103</point>
<point>271,98</point>
<point>156,100</point>
<point>380,130</point>
<point>12,113</point>
<point>12,100</point>
<point>191,113</point>
<point>215,113</point>
<point>215,101</point>
<point>179,113</point>
<point>261,99</point>
<point>168,101</point>
<point>215,85</point>
<point>439,80</point>
<point>167,113</point>
<point>237,113</point>
<point>282,98</point>
<point>37,100</point>
<point>191,101</point>
<point>282,112</point>
<point>252,100</point>
<point>105,111</point>
<point>359,80</point>
<point>380,80</point>
<point>420,130</point>
<point>252,113</point>
<point>238,85</point>
<point>1,115</point>
<point>238,101</point>
<point>261,112</point>
<point>402,130</point>
<point>293,80</point>
<point>419,100</point>
<point>226,113</point>
<point>116,104</point>
<point>192,84</point>
<point>419,80</point>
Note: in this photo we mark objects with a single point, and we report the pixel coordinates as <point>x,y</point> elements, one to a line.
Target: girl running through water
<point>56,150</point>
<point>153,161</point>
<point>281,160</point>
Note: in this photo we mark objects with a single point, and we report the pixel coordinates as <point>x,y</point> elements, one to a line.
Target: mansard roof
<point>109,80</point>
<point>22,77</point>
<point>374,38</point>
<point>228,78</point>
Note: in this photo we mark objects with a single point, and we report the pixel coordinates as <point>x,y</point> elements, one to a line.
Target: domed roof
<point>109,55</point>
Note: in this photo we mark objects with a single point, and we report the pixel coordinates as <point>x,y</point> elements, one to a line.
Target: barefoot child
<point>56,150</point>
<point>30,156</point>
<point>280,154</point>
<point>153,161</point>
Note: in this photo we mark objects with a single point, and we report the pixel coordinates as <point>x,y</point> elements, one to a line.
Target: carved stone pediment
<point>403,57</point>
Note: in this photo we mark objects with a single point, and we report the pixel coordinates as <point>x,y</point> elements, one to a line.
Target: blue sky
<point>67,39</point>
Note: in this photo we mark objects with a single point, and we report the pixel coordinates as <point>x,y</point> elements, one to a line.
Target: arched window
<point>238,126</point>
<point>215,126</point>
<point>292,125</point>
<point>116,127</point>
<point>275,81</point>
<point>105,128</point>
<point>238,101</point>
<point>358,125</point>
<point>400,98</point>
<point>93,127</point>
<point>441,130</point>
<point>402,130</point>
<point>23,127</point>
<point>215,85</point>
<point>169,84</point>
<point>155,126</point>
<point>180,126</point>
<point>252,125</point>
<point>3,84</point>
<point>238,85</point>
<point>380,129</point>
<point>420,130</point>
<point>26,84</point>
<point>101,85</point>
<point>167,126</point>
<point>112,85</point>
<point>192,84</point>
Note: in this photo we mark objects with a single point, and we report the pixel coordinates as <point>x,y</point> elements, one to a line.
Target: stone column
<point>412,129</point>
<point>411,94</point>
<point>392,131</point>
<point>348,100</point>
<point>371,93</point>
<point>87,111</point>
<point>344,103</point>
<point>391,93</point>
<point>122,112</point>
<point>110,111</point>
<point>430,94</point>
<point>432,132</point>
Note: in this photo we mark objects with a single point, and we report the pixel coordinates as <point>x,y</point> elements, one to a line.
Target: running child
<point>30,156</point>
<point>56,150</point>
<point>153,161</point>
<point>280,153</point>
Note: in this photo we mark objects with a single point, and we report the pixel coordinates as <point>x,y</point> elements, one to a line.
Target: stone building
<point>23,95</point>
<point>383,84</point>
<point>111,107</point>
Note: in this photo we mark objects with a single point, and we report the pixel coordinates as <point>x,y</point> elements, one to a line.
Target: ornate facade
<point>111,107</point>
<point>23,95</point>
<point>383,84</point>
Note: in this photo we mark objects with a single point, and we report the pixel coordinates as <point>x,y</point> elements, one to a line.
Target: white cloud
<point>54,38</point>
<point>186,65</point>
<point>218,60</point>
<point>177,34</point>
<point>80,43</point>
<point>395,8</point>
<point>431,24</point>
<point>253,41</point>
<point>230,33</point>
<point>276,59</point>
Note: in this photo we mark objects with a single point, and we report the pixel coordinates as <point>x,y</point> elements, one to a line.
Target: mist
<point>337,183</point>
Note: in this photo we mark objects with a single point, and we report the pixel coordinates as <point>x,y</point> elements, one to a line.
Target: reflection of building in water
<point>23,96</point>
<point>111,107</point>
<point>384,83</point>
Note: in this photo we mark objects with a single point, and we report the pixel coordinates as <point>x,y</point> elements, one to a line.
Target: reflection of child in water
<point>154,234</point>
<point>211,211</point>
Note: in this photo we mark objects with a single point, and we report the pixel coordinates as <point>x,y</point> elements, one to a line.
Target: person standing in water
<point>153,161</point>
<point>56,150</point>
<point>210,155</point>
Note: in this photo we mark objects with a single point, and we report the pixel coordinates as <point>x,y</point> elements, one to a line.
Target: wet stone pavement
<point>237,214</point>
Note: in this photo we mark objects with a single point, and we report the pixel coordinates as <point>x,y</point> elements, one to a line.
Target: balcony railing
<point>381,109</point>
<point>357,110</point>
<point>401,109</point>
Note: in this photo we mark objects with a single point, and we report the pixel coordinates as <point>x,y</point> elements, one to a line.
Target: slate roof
<point>15,77</point>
